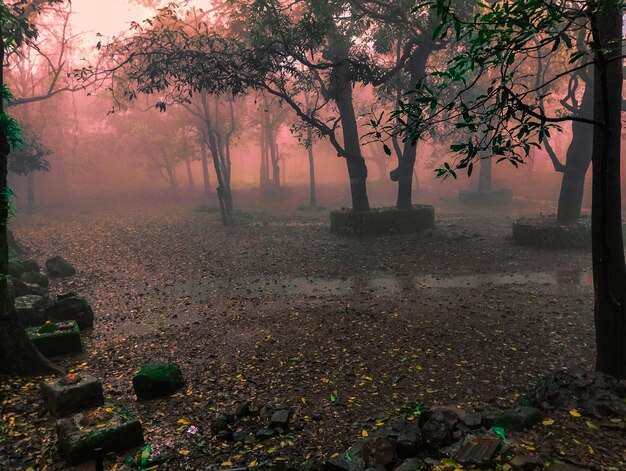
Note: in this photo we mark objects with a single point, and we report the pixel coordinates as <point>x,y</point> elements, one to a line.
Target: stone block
<point>53,339</point>
<point>382,220</point>
<point>71,394</point>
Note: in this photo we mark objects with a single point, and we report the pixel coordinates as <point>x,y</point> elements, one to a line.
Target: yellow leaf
<point>225,464</point>
<point>109,409</point>
<point>364,433</point>
<point>574,413</point>
<point>369,378</point>
<point>419,367</point>
<point>591,425</point>
<point>380,423</point>
<point>548,422</point>
<point>253,464</point>
<point>325,380</point>
<point>183,452</point>
<point>183,422</point>
<point>280,458</point>
<point>334,455</point>
<point>303,400</point>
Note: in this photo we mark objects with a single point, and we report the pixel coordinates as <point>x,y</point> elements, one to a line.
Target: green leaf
<point>386,149</point>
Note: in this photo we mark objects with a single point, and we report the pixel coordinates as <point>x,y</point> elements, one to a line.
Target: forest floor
<point>345,331</point>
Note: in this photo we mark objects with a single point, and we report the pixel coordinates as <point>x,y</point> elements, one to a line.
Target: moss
<point>48,328</point>
<point>160,371</point>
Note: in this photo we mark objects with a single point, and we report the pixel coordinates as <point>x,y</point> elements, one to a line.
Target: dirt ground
<point>345,331</point>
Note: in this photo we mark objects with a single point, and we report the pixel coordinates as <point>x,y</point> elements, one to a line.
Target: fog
<point>312,235</point>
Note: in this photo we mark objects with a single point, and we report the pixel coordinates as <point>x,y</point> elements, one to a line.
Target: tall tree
<point>501,40</point>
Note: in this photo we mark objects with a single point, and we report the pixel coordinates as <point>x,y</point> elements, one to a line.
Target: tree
<point>17,353</point>
<point>31,158</point>
<point>508,119</point>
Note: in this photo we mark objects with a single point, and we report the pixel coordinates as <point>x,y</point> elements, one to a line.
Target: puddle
<point>378,283</point>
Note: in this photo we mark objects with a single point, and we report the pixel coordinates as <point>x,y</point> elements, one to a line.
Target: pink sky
<point>108,17</point>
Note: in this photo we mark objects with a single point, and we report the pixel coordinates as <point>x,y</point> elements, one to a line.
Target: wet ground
<point>342,329</point>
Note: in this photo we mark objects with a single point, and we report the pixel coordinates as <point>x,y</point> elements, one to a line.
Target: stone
<point>410,464</point>
<point>526,462</point>
<point>546,232</point>
<point>265,433</point>
<point>473,419</point>
<point>30,309</point>
<point>111,428</point>
<point>378,452</point>
<point>157,379</point>
<point>243,409</point>
<point>486,198</point>
<point>58,267</point>
<point>21,288</point>
<point>345,463</point>
<point>280,418</point>
<point>398,423</point>
<point>437,430</point>
<point>16,268</point>
<point>220,423</point>
<point>71,308</point>
<point>31,265</point>
<point>477,449</point>
<point>54,339</point>
<point>407,444</point>
<point>518,418</point>
<point>34,277</point>
<point>62,399</point>
<point>382,220</point>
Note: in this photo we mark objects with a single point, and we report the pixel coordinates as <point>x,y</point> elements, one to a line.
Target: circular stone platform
<point>493,197</point>
<point>545,232</point>
<point>382,220</point>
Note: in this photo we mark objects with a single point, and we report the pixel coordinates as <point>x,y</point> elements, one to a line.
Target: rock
<point>526,462</point>
<point>477,449</point>
<point>410,464</point>
<point>13,243</point>
<point>280,418</point>
<point>62,399</point>
<point>31,265</point>
<point>518,418</point>
<point>58,267</point>
<point>35,277</point>
<point>345,463</point>
<point>20,288</point>
<point>220,423</point>
<point>157,379</point>
<point>71,308</point>
<point>54,339</point>
<point>30,309</point>
<point>16,268</point>
<point>378,452</point>
<point>265,433</point>
<point>243,409</point>
<point>407,444</point>
<point>437,431</point>
<point>111,427</point>
<point>473,419</point>
<point>398,423</point>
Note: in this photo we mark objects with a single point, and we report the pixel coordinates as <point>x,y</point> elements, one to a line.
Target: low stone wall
<point>382,220</point>
<point>494,197</point>
<point>545,232</point>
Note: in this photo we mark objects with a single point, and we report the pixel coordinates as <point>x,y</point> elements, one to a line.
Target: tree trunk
<point>192,186</point>
<point>484,179</point>
<point>577,162</point>
<point>18,355</point>
<point>30,185</point>
<point>205,167</point>
<point>313,194</point>
<point>357,169</point>
<point>609,270</point>
<point>406,162</point>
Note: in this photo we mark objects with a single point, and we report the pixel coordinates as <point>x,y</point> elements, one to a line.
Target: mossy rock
<point>30,309</point>
<point>111,427</point>
<point>382,220</point>
<point>71,307</point>
<point>22,288</point>
<point>31,265</point>
<point>157,379</point>
<point>61,399</point>
<point>54,339</point>
<point>518,418</point>
<point>34,277</point>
